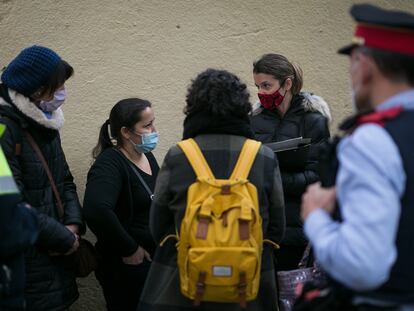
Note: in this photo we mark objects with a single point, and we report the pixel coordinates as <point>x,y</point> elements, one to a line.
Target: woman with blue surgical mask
<point>118,198</point>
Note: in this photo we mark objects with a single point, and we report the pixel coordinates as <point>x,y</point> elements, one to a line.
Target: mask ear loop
<point>140,135</point>
<point>283,83</point>
<point>132,131</point>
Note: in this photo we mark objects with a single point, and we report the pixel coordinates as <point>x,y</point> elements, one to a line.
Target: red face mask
<point>271,101</point>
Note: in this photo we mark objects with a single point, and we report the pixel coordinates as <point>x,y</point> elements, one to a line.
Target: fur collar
<point>30,110</point>
<point>310,102</point>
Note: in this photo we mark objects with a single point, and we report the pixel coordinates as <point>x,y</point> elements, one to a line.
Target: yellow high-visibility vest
<point>7,183</point>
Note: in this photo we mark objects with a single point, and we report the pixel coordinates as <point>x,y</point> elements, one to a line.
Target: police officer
<point>18,230</point>
<point>371,251</point>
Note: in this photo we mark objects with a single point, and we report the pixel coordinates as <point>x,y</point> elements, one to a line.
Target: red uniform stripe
<point>392,39</point>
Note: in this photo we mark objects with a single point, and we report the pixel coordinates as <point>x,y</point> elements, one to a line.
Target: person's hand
<point>74,246</point>
<point>73,249</point>
<point>317,197</point>
<point>73,228</point>
<point>137,257</point>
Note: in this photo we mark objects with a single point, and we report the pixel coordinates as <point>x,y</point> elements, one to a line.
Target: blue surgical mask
<point>148,142</point>
<point>57,101</point>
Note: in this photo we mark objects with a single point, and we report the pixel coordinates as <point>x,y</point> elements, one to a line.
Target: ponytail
<point>104,141</point>
<point>297,80</point>
<point>125,113</point>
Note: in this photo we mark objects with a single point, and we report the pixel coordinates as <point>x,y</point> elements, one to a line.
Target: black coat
<point>18,230</point>
<point>50,280</point>
<point>307,117</point>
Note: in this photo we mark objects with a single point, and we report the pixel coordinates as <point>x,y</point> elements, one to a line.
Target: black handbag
<point>288,281</point>
<point>86,256</point>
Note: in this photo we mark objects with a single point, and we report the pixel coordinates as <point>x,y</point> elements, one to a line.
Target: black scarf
<point>204,123</point>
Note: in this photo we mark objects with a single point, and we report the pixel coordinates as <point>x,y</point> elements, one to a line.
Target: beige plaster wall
<point>153,48</point>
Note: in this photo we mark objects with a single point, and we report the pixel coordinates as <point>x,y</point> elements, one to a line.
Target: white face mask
<point>57,101</point>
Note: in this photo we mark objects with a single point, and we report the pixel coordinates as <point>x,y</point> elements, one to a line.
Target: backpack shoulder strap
<point>246,159</point>
<point>196,158</point>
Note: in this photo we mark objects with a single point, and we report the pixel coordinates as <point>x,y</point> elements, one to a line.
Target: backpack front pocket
<point>226,270</point>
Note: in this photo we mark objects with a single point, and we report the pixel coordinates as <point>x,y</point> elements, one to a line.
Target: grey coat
<point>162,290</point>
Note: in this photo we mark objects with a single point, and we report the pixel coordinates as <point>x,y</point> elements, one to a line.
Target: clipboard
<point>292,153</point>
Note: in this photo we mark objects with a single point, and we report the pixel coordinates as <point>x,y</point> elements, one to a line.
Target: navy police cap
<point>382,29</point>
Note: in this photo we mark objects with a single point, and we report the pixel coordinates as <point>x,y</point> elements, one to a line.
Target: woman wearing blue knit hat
<point>31,93</point>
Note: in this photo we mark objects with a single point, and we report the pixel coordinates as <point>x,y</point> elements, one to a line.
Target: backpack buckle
<point>226,189</point>
<point>244,229</point>
<point>200,286</point>
<point>242,286</point>
<point>202,227</point>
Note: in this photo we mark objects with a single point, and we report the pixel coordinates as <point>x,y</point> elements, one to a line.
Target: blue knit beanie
<point>30,69</point>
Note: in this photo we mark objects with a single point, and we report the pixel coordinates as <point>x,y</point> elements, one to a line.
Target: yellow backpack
<point>221,239</point>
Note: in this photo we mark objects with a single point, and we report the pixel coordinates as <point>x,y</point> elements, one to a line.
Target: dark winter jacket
<point>162,290</point>
<point>308,117</point>
<point>18,230</point>
<point>50,283</point>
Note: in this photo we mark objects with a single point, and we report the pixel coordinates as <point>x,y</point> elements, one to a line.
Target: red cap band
<point>391,39</point>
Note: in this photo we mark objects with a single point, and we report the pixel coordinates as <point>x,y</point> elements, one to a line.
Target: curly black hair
<point>218,93</point>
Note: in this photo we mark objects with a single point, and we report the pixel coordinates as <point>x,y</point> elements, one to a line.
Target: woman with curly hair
<point>217,118</point>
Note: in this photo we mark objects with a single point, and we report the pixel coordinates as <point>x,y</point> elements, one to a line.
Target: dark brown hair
<point>280,68</point>
<point>125,113</point>
<point>58,77</point>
